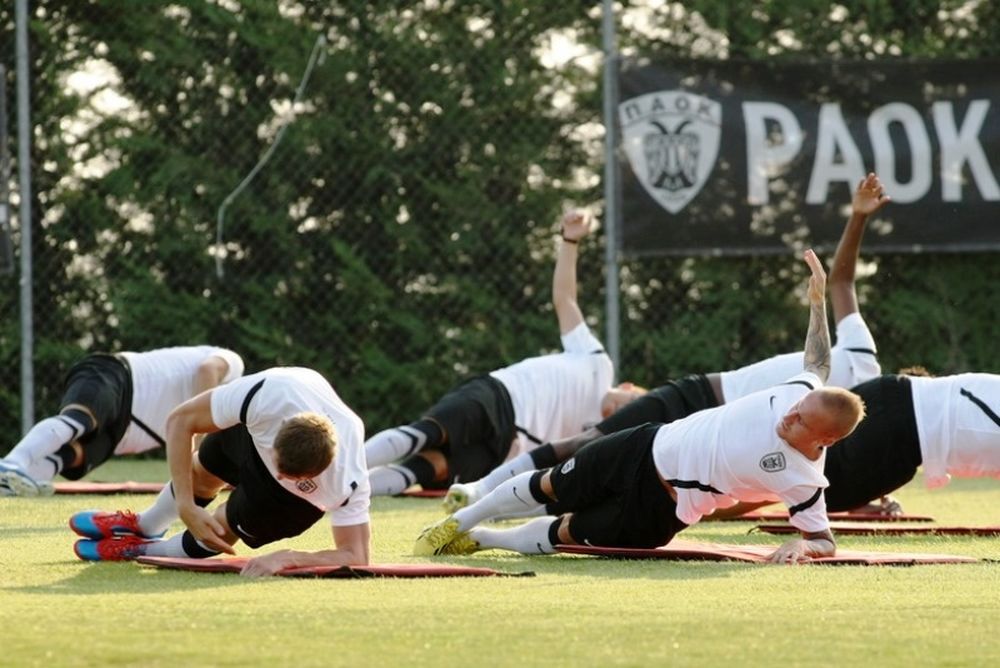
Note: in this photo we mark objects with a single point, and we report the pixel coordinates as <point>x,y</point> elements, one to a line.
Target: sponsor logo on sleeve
<point>773,462</point>
<point>568,466</point>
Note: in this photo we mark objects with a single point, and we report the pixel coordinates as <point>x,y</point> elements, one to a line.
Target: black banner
<point>738,157</point>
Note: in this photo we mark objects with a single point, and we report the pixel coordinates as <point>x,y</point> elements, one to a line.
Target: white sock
<point>520,464</point>
<point>529,538</point>
<point>44,470</point>
<point>390,480</point>
<point>511,498</point>
<point>534,512</point>
<point>171,547</point>
<point>392,444</point>
<point>45,439</point>
<point>158,517</point>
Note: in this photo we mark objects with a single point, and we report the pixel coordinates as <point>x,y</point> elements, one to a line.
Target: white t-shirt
<point>958,423</point>
<point>853,360</point>
<point>556,396</point>
<point>262,401</point>
<point>731,453</point>
<point>162,380</point>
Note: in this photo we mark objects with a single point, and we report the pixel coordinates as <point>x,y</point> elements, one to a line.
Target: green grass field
<point>58,611</point>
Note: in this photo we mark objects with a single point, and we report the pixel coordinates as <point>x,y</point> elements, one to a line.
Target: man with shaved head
<point>639,487</point>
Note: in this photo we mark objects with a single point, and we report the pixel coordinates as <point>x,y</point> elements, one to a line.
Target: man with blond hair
<point>639,487</point>
<point>290,448</point>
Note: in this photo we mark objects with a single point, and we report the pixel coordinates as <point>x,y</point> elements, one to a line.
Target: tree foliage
<point>400,235</point>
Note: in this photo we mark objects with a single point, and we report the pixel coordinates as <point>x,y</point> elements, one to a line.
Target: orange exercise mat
<point>682,550</point>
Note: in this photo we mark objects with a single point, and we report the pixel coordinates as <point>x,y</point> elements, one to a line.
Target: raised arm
<point>817,348</point>
<point>575,226</point>
<point>868,198</point>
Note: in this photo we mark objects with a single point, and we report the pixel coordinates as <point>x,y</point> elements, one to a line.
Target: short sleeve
<point>807,509</point>
<point>581,340</point>
<point>855,357</point>
<point>234,362</point>
<point>231,401</point>
<point>355,510</point>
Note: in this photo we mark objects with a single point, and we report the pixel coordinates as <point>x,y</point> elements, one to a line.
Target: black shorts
<point>102,383</point>
<point>673,401</point>
<point>478,417</point>
<point>259,510</point>
<point>882,454</point>
<point>614,493</point>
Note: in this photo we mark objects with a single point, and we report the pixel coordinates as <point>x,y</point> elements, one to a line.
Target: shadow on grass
<point>102,579</point>
<point>600,567</point>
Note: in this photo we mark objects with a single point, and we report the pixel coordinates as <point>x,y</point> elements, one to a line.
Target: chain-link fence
<point>380,182</point>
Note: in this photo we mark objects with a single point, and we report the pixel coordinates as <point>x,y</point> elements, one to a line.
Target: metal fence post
<point>24,216</point>
<point>611,189</point>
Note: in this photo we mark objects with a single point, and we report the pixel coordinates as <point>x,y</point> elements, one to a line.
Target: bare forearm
<point>843,297</point>
<point>817,347</point>
<point>334,557</point>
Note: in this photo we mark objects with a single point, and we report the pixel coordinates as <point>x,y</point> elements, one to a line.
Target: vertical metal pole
<point>24,216</point>
<point>611,189</point>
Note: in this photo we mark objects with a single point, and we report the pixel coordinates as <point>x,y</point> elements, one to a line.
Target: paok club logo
<point>773,462</point>
<point>671,139</point>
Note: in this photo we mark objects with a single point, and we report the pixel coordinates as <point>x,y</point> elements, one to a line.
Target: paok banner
<point>738,157</point>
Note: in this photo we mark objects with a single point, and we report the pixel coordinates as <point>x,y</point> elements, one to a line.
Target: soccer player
<point>112,404</point>
<point>491,418</point>
<point>853,361</point>
<point>290,448</point>
<point>949,425</point>
<point>639,487</point>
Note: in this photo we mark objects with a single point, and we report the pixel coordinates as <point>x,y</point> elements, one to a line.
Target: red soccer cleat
<point>120,548</point>
<point>98,524</point>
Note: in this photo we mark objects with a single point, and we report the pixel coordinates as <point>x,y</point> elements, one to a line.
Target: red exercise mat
<point>87,487</point>
<point>682,550</point>
<point>235,565</point>
<point>424,493</point>
<point>862,529</point>
<point>850,517</point>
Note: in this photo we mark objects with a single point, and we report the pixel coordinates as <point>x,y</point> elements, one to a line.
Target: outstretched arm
<point>352,548</point>
<point>868,198</point>
<point>817,348</point>
<point>575,226</point>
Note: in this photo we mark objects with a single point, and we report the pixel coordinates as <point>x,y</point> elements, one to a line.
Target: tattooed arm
<point>817,349</point>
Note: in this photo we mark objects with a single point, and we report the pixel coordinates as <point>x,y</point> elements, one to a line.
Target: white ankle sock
<point>529,538</point>
<point>511,498</point>
<point>44,470</point>
<point>45,439</point>
<point>158,517</point>
<point>171,547</point>
<point>390,480</point>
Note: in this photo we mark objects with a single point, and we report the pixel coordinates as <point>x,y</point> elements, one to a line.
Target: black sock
<point>422,470</point>
<point>430,429</point>
<point>193,548</point>
<point>544,456</point>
